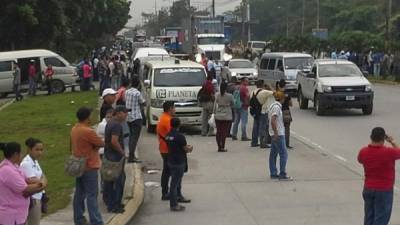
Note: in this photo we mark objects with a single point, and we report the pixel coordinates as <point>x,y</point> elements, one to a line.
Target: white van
<point>177,81</point>
<point>64,73</point>
<point>280,65</point>
<point>256,47</point>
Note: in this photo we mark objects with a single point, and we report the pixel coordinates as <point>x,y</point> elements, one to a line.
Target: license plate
<point>350,98</point>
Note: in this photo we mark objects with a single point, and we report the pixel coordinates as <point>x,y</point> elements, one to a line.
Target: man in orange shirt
<point>86,143</point>
<point>163,128</point>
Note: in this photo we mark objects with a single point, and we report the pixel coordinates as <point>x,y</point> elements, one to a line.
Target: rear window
<point>179,77</point>
<point>5,66</point>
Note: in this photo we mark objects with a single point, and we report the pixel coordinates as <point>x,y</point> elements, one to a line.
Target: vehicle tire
<point>3,95</point>
<point>303,102</point>
<point>317,105</point>
<point>367,110</point>
<point>57,86</point>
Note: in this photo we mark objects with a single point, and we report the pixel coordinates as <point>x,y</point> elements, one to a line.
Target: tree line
<point>70,27</point>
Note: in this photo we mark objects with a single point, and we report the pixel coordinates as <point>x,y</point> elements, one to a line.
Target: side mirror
<point>365,73</point>
<point>146,83</point>
<point>311,75</point>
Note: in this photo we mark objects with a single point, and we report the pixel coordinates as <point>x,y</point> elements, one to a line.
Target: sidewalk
<point>234,188</point>
<point>133,196</point>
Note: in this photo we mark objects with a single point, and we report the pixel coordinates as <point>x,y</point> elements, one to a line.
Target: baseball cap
<point>108,91</point>
<point>121,108</point>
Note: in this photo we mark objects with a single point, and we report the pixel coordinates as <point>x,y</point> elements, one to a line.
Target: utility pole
<point>248,22</point>
<point>213,8</point>
<point>155,7</point>
<point>318,15</point>
<point>287,26</point>
<point>303,17</point>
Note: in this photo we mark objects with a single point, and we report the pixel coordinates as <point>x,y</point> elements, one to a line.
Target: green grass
<point>48,118</point>
<point>387,80</point>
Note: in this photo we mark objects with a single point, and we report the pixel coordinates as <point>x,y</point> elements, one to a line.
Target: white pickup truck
<point>334,84</point>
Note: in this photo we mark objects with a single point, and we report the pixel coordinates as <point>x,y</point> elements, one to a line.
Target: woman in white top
<point>32,170</point>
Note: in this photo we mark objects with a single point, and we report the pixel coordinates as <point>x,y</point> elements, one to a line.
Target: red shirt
<point>244,96</point>
<point>209,87</point>
<point>379,166</point>
<point>32,71</point>
<point>87,71</point>
<point>49,72</point>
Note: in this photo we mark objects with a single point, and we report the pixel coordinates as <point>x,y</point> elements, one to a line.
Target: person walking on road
<point>134,102</point>
<point>32,72</point>
<point>17,81</point>
<point>379,169</point>
<point>206,99</point>
<point>177,163</point>
<point>278,145</point>
<point>223,115</point>
<point>114,152</point>
<point>49,77</point>
<point>242,114</point>
<point>32,170</point>
<point>260,125</point>
<point>163,128</point>
<point>86,143</point>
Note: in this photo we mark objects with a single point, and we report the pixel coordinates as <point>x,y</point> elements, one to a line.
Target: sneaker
<point>274,177</point>
<point>265,146</point>
<point>222,150</point>
<point>253,146</point>
<point>285,178</point>
<point>178,208</point>
<point>135,160</point>
<point>184,200</point>
<point>234,138</point>
<point>118,210</point>
<point>289,147</point>
<point>246,139</point>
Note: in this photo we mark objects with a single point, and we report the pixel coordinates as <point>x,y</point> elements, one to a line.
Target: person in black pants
<point>177,163</point>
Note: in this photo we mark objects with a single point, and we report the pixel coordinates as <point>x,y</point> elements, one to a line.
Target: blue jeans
<point>32,86</point>
<point>177,172</point>
<point>115,82</point>
<point>241,115</point>
<point>377,206</point>
<point>87,188</point>
<point>377,69</point>
<point>260,130</point>
<point>278,147</point>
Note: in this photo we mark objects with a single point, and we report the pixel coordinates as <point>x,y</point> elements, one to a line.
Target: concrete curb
<point>135,202</point>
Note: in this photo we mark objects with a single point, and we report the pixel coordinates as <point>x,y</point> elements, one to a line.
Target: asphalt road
<point>234,187</point>
<point>341,133</point>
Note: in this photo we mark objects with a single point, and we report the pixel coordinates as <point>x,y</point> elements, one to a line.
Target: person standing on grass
<point>134,102</point>
<point>114,151</point>
<point>32,170</point>
<point>15,188</point>
<point>32,73</point>
<point>223,115</point>
<point>242,114</point>
<point>86,143</point>
<point>177,163</point>
<point>17,81</point>
<point>87,76</point>
<point>163,128</point>
<point>48,73</point>
<point>278,145</point>
<point>379,164</point>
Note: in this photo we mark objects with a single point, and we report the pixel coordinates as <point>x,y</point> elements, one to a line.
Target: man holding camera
<point>379,168</point>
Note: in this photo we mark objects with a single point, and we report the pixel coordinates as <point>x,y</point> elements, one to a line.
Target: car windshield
<point>259,45</point>
<point>298,63</point>
<point>211,41</point>
<point>339,70</point>
<point>240,64</point>
<point>179,77</point>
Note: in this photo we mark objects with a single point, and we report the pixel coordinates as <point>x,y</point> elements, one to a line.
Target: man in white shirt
<point>278,145</point>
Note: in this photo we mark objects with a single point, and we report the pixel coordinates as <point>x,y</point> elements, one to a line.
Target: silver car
<point>240,68</point>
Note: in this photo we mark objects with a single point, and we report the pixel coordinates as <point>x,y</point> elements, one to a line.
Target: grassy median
<point>48,118</point>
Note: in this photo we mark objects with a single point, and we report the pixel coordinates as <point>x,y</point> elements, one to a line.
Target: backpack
<point>237,104</point>
<point>255,106</point>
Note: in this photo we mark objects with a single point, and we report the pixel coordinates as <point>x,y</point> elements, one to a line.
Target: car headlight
<point>233,74</point>
<point>368,88</point>
<point>327,88</point>
<point>255,73</point>
<point>157,103</point>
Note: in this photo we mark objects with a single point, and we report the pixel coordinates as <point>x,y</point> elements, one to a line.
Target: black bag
<point>203,96</point>
<point>255,106</point>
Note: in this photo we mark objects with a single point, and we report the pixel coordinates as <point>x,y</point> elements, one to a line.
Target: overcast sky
<point>139,6</point>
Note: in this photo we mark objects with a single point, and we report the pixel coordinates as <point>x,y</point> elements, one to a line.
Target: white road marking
<point>341,158</point>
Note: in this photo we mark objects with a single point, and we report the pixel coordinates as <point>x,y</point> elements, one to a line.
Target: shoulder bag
<point>75,166</point>
<point>110,171</point>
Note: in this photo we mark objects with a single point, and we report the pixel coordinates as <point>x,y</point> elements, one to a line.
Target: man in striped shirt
<point>278,145</point>
<point>134,101</point>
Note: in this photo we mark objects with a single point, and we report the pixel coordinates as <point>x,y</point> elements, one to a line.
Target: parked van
<point>280,65</point>
<point>177,81</point>
<point>64,73</point>
<point>256,47</point>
